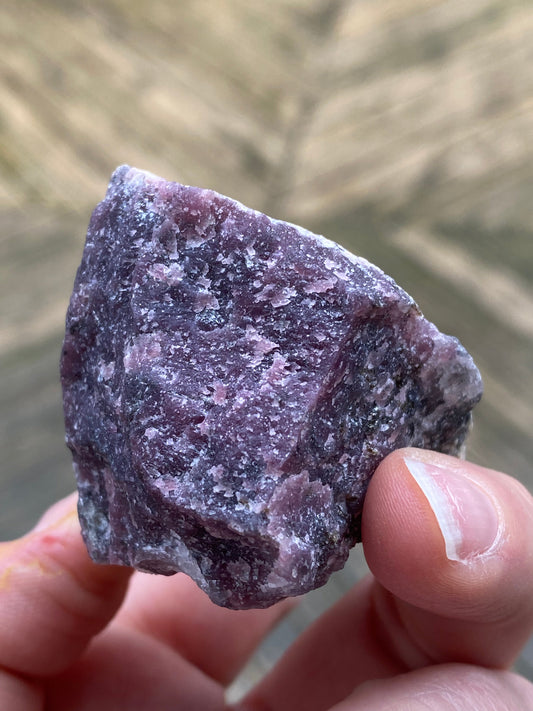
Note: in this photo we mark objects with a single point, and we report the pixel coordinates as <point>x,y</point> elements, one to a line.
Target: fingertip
<point>57,541</point>
<point>58,510</point>
<point>394,517</point>
<point>439,528</point>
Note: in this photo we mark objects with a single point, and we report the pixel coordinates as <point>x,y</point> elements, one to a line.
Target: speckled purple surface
<point>230,384</point>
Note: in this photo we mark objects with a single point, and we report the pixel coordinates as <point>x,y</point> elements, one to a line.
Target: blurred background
<point>400,128</point>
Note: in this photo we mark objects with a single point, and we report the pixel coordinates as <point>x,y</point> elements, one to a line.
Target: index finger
<point>53,598</point>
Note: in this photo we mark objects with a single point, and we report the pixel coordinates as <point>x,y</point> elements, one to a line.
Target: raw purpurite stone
<point>230,384</point>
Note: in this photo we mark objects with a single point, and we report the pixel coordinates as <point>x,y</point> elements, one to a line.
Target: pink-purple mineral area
<point>231,383</point>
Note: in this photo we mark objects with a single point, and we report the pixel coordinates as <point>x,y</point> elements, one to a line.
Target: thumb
<point>451,546</point>
<point>466,593</point>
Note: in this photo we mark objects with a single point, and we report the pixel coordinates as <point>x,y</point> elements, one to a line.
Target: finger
<point>451,686</point>
<point>468,601</point>
<point>469,582</point>
<point>127,670</point>
<point>216,640</point>
<point>57,511</point>
<point>340,650</point>
<point>18,694</point>
<point>53,599</point>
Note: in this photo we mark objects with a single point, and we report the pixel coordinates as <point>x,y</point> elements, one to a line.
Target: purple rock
<point>231,383</point>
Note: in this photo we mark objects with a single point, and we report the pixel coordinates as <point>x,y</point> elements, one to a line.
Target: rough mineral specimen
<point>230,384</point>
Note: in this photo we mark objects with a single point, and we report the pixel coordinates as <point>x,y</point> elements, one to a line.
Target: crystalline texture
<point>230,384</point>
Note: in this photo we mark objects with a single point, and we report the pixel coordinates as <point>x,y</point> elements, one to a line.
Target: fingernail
<point>465,512</point>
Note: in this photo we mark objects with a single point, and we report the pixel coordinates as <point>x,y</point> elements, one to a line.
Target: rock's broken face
<point>230,384</point>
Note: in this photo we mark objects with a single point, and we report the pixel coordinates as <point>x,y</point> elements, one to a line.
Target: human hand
<point>431,631</point>
<point>76,636</point>
<point>440,622</point>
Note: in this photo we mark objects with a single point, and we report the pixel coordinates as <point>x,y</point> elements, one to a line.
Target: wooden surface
<point>401,128</point>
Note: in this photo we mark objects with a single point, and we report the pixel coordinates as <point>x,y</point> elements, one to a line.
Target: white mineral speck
<point>106,371</point>
<point>320,285</point>
<point>219,393</point>
<point>283,297</point>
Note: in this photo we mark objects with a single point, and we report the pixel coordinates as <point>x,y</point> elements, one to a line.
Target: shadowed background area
<point>400,128</point>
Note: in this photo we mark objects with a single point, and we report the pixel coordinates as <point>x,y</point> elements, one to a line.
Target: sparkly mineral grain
<point>231,383</point>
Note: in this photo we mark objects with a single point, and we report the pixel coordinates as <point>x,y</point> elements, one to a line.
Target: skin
<point>423,632</point>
